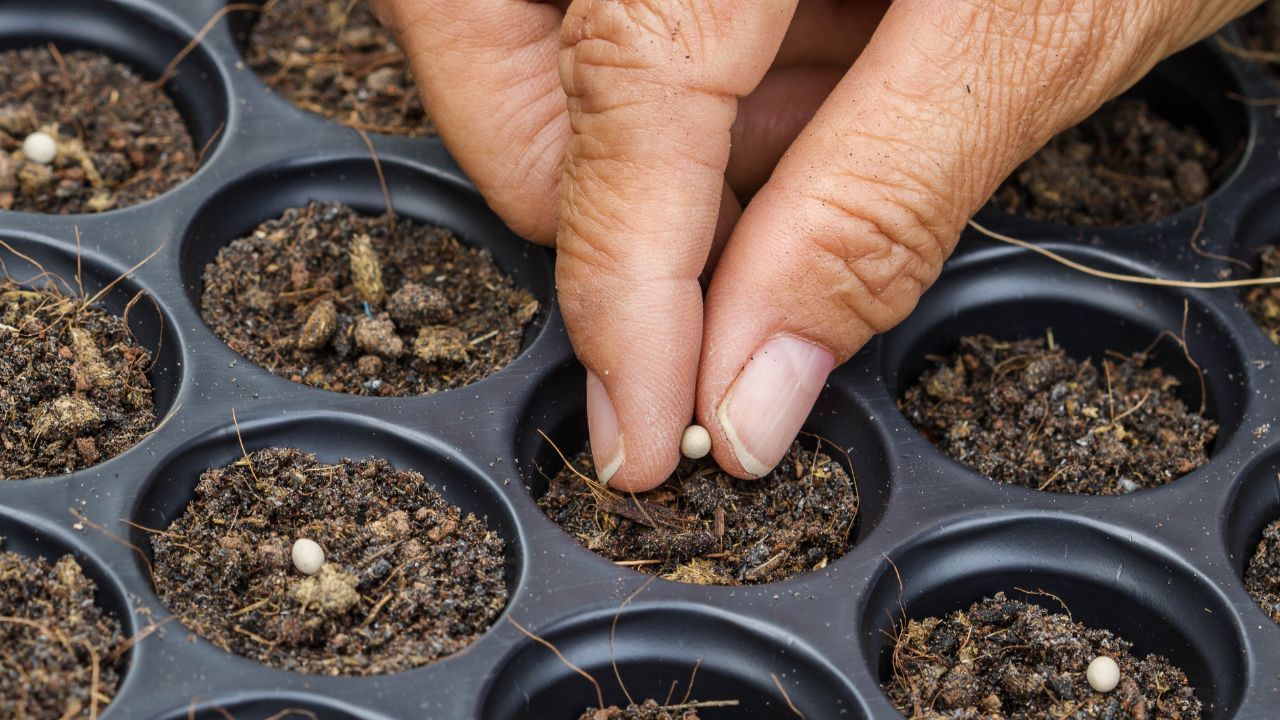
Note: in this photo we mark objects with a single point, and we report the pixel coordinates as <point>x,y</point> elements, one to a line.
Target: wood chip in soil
<point>1012,659</point>
<point>333,58</point>
<point>74,389</point>
<point>706,527</point>
<point>1026,412</point>
<point>53,634</point>
<point>1263,301</point>
<point>328,297</point>
<point>1123,165</point>
<point>120,140</point>
<point>647,710</point>
<point>1262,576</point>
<point>408,578</point>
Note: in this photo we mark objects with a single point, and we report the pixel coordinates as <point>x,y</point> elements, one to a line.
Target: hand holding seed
<point>634,129</point>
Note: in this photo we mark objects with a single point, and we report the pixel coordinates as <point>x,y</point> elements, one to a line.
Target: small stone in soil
<point>1007,658</point>
<point>357,304</point>
<point>1026,413</point>
<point>84,136</point>
<point>1123,165</point>
<point>407,577</point>
<point>706,527</point>
<point>74,388</point>
<point>1262,576</point>
<point>53,634</point>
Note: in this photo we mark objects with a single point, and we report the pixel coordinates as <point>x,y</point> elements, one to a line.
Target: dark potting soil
<point>1123,165</point>
<point>120,140</point>
<point>55,639</point>
<point>1012,659</point>
<point>1262,576</point>
<point>1025,412</point>
<point>407,578</point>
<point>1262,35</point>
<point>705,526</point>
<point>647,710</point>
<point>334,299</point>
<point>333,58</point>
<point>74,389</point>
<point>1263,301</point>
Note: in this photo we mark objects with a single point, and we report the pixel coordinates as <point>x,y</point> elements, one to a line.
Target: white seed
<point>40,148</point>
<point>1103,674</point>
<point>308,556</point>
<point>696,442</point>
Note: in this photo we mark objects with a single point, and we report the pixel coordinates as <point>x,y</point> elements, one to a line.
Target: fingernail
<point>607,450</point>
<point>771,398</point>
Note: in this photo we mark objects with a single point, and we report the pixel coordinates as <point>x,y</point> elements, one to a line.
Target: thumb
<point>861,212</point>
<point>652,93</point>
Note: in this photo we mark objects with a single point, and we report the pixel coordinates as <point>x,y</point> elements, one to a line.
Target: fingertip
<point>645,463</point>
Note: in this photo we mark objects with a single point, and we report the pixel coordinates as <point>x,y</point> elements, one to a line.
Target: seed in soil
<point>1103,674</point>
<point>116,139</point>
<point>308,556</point>
<point>1025,412</point>
<point>1262,576</point>
<point>58,644</point>
<point>407,579</point>
<point>1123,165</point>
<point>74,389</point>
<point>1263,301</point>
<point>331,57</point>
<point>1008,658</point>
<point>363,305</point>
<point>706,527</point>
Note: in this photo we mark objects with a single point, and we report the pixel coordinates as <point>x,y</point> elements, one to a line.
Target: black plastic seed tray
<point>1159,567</point>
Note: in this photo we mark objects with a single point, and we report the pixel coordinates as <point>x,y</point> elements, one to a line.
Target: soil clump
<point>1012,659</point>
<point>56,638</point>
<point>333,58</point>
<point>341,301</point>
<point>704,526</point>
<point>120,139</point>
<point>407,578</point>
<point>1123,165</point>
<point>1025,412</point>
<point>74,389</point>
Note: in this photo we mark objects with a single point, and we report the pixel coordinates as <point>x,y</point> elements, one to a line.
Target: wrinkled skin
<point>626,132</point>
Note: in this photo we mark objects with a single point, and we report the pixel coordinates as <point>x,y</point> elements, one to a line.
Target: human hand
<point>621,130</point>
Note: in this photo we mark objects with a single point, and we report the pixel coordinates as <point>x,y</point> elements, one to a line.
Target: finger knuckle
<point>877,258</point>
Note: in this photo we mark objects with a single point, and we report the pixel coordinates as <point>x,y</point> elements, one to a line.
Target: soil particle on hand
<point>1123,165</point>
<point>407,579</point>
<point>73,384</point>
<point>333,58</point>
<point>1012,659</point>
<point>336,300</point>
<point>1025,412</point>
<point>53,635</point>
<point>1263,301</point>
<point>120,140</point>
<point>704,526</point>
<point>1262,576</point>
<point>647,710</point>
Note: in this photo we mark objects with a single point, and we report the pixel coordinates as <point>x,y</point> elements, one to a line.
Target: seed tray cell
<point>1162,567</point>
